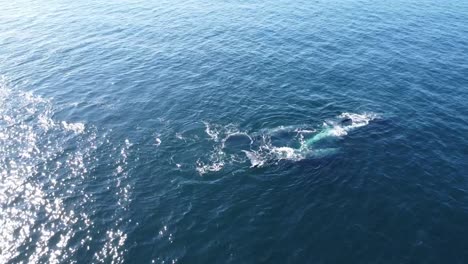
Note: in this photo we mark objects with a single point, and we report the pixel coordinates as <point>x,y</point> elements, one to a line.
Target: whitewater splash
<point>260,148</point>
<point>219,157</point>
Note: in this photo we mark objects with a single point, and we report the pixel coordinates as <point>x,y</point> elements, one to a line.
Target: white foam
<point>233,134</point>
<point>204,168</point>
<point>305,131</point>
<point>211,132</point>
<point>268,154</point>
<point>299,129</point>
<point>75,127</point>
<point>359,120</point>
<point>287,153</point>
<point>218,158</point>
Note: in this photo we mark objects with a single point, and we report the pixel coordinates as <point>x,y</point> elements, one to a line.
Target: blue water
<point>234,131</point>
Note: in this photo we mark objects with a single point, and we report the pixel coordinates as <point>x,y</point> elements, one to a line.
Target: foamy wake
<point>260,151</point>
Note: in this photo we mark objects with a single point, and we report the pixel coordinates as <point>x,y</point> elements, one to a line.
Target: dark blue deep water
<point>234,131</point>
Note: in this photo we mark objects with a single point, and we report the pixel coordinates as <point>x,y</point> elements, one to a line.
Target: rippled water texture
<point>234,131</point>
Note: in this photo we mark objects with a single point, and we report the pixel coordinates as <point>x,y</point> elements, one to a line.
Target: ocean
<point>140,131</point>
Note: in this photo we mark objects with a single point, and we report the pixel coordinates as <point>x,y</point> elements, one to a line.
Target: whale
<point>336,130</point>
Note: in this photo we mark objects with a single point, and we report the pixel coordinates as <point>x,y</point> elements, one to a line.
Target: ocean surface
<point>234,131</point>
